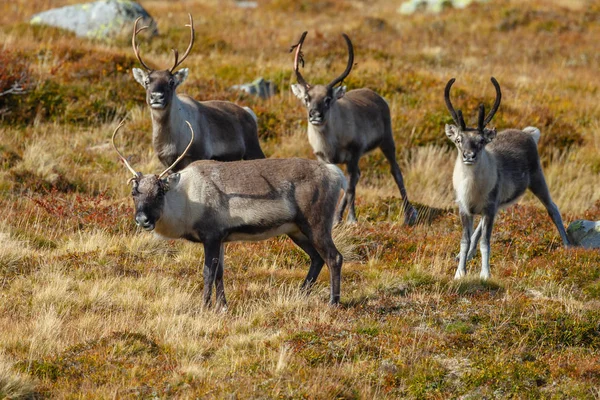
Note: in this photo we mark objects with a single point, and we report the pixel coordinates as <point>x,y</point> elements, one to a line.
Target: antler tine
<point>136,47</point>
<point>480,121</point>
<point>496,103</point>
<point>189,48</point>
<point>176,54</point>
<point>182,154</point>
<point>348,66</point>
<point>455,116</point>
<point>135,174</point>
<point>299,57</point>
<point>461,120</point>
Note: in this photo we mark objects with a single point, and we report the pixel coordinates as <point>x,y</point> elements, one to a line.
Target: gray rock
<point>260,87</point>
<point>246,4</point>
<point>435,6</point>
<point>103,19</point>
<point>584,233</point>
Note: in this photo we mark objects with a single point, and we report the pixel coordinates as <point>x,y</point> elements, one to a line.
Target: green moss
<point>427,379</point>
<point>461,327</point>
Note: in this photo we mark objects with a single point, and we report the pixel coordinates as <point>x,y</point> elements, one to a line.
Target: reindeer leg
<point>340,211</point>
<point>350,194</point>
<point>467,231</point>
<point>540,189</point>
<point>389,151</point>
<point>212,254</point>
<point>474,240</point>
<point>316,261</point>
<point>487,223</point>
<point>323,243</point>
<point>219,286</point>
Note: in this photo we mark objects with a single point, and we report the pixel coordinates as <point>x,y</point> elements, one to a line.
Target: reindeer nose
<point>315,117</point>
<point>468,155</point>
<point>142,220</point>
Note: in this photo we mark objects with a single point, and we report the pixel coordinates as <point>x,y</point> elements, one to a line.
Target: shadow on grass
<point>428,215</point>
<point>475,287</point>
<point>391,208</point>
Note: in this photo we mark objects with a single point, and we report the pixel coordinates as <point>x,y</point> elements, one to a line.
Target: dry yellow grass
<point>91,307</point>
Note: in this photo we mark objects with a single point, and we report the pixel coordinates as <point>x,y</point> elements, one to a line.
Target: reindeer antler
<point>135,174</point>
<point>349,66</point>
<point>136,47</point>
<point>456,116</point>
<point>182,154</point>
<point>482,120</point>
<point>299,59</point>
<point>189,48</point>
<point>496,102</point>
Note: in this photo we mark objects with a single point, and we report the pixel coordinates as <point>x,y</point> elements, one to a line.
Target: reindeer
<point>344,126</point>
<point>212,202</point>
<point>227,132</point>
<point>491,172</point>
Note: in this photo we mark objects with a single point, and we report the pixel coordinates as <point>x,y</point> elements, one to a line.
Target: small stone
<point>259,87</point>
<point>433,6</point>
<point>584,233</point>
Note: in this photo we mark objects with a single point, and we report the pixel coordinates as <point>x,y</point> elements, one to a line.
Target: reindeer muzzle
<point>157,100</point>
<point>469,158</point>
<point>143,222</point>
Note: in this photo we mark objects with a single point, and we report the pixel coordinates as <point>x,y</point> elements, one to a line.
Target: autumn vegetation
<point>93,307</point>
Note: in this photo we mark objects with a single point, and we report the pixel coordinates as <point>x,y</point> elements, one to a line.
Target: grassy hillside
<point>92,307</point>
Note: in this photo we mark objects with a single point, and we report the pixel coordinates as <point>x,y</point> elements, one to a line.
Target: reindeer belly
<point>259,219</point>
<point>256,233</point>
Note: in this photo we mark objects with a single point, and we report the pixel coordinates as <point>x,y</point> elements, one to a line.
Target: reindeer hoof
<point>411,217</point>
<point>351,221</point>
<point>460,274</point>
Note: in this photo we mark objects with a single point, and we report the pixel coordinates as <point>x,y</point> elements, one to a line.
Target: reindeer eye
<point>307,99</point>
<point>458,140</point>
<point>171,82</point>
<point>327,101</point>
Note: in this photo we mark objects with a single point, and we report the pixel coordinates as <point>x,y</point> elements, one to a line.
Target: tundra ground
<point>92,307</point>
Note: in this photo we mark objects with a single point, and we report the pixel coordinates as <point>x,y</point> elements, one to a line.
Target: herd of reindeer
<point>219,187</point>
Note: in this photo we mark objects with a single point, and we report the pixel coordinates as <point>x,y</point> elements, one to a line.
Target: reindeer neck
<point>164,121</point>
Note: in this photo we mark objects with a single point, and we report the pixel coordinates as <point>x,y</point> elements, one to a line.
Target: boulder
<point>584,233</point>
<point>103,19</point>
<point>435,6</point>
<point>260,87</point>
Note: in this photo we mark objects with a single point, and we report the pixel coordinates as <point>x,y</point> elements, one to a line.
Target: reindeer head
<point>160,85</point>
<point>470,142</point>
<point>318,99</point>
<point>148,191</point>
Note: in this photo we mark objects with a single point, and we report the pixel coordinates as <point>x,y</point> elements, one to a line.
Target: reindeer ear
<point>180,76</point>
<point>298,90</point>
<point>339,92</point>
<point>170,180</point>
<point>140,76</point>
<point>451,131</point>
<point>173,178</point>
<point>489,134</point>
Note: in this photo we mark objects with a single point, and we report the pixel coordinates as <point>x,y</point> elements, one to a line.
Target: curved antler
<point>480,122</point>
<point>136,47</point>
<point>187,52</point>
<point>135,174</point>
<point>182,154</point>
<point>456,116</point>
<point>299,58</point>
<point>496,103</point>
<point>348,67</point>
